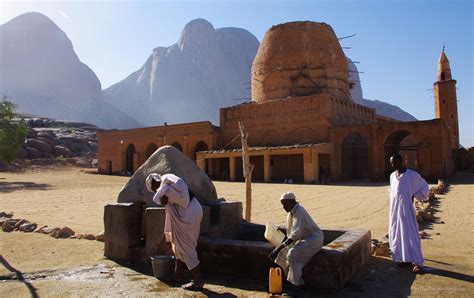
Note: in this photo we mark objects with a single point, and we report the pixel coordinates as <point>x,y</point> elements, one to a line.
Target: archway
<point>354,157</point>
<point>200,146</point>
<point>150,149</point>
<point>129,159</point>
<point>404,143</point>
<point>177,145</point>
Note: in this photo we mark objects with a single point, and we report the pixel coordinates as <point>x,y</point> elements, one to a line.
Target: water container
<point>163,266</point>
<point>274,281</point>
<point>273,236</point>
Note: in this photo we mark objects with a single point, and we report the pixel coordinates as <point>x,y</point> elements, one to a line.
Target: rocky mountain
<point>40,72</point>
<point>190,80</point>
<point>382,108</point>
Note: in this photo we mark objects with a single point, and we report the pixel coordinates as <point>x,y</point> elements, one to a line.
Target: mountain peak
<point>197,32</point>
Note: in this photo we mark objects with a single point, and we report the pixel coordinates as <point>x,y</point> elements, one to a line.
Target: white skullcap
<point>288,196</point>
<point>150,178</point>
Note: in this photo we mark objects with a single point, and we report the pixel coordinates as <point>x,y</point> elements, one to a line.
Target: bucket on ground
<point>163,266</point>
<point>275,281</point>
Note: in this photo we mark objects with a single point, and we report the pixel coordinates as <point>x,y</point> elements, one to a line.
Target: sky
<point>397,43</point>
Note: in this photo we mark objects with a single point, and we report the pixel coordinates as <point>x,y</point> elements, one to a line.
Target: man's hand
<point>274,254</point>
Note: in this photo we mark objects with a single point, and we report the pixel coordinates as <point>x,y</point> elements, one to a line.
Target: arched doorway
<point>177,145</point>
<point>404,143</point>
<point>129,159</point>
<point>150,149</point>
<point>200,146</point>
<point>354,157</point>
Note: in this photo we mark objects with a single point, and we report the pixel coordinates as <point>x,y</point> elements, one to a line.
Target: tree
<point>12,134</point>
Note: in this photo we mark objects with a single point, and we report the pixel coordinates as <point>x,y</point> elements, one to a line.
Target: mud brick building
<point>302,122</point>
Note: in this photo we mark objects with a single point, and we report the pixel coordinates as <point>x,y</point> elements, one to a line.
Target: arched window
<point>150,149</point>
<point>178,146</point>
<point>200,146</point>
<point>129,159</point>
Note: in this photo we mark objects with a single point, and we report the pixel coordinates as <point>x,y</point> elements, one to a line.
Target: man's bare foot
<point>193,286</point>
<point>417,269</point>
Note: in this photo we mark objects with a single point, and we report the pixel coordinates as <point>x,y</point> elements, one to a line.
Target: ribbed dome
<point>297,59</point>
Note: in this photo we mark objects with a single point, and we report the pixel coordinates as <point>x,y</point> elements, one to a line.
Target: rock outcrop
<point>168,159</point>
<point>48,138</point>
<point>43,75</point>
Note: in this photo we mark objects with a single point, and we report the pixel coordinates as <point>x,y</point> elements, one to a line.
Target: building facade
<point>302,122</point>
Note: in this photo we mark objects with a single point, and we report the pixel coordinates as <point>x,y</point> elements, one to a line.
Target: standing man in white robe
<point>404,240</point>
<point>182,223</point>
<point>303,236</point>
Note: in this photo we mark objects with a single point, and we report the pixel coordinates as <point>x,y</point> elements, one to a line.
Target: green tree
<point>12,133</point>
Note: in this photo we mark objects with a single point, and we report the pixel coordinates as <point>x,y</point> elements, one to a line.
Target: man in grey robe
<point>303,236</point>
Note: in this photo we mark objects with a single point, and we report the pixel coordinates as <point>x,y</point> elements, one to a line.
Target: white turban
<point>150,178</point>
<point>288,196</point>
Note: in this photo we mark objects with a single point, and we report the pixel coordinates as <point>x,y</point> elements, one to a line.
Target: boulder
<point>22,154</point>
<point>31,133</point>
<point>49,141</point>
<point>19,223</point>
<point>168,159</point>
<point>61,150</point>
<point>28,227</point>
<point>46,230</point>
<point>62,233</point>
<point>39,145</point>
<point>86,236</point>
<point>100,237</point>
<point>7,227</point>
<point>6,214</point>
<point>33,153</point>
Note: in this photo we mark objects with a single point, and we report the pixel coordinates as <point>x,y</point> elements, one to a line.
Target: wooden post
<point>248,168</point>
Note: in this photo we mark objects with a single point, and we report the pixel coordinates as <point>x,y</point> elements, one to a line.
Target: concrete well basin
<point>343,254</point>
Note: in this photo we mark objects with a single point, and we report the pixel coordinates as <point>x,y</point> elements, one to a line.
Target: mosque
<point>302,121</point>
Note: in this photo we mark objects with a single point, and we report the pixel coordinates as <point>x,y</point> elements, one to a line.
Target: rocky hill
<point>42,74</point>
<point>190,80</point>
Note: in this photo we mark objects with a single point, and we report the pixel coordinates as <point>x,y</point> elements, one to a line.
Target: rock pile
<point>48,138</point>
<point>425,210</point>
<point>10,224</point>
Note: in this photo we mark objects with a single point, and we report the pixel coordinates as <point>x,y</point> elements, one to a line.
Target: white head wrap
<point>288,196</point>
<point>150,178</point>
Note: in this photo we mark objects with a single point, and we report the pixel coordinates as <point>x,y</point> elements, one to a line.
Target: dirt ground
<point>36,264</point>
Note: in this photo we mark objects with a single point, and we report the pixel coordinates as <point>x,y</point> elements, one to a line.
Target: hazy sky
<point>398,43</point>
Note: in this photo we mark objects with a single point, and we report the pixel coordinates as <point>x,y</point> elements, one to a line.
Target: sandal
<point>192,286</point>
<point>417,269</point>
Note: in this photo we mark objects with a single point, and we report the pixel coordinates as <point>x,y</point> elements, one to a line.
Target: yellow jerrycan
<point>274,281</point>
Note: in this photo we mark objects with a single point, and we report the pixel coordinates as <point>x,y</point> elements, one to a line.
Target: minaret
<point>446,106</point>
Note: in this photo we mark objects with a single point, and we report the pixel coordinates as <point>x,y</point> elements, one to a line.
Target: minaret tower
<point>446,106</point>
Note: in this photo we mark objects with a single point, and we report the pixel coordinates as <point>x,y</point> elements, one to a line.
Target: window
<point>442,76</point>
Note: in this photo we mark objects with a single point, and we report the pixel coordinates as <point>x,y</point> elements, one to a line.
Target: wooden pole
<point>248,168</point>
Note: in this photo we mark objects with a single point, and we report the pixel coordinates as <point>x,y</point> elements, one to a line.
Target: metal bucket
<point>163,266</point>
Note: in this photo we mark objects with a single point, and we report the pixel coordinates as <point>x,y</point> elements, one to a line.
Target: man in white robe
<point>404,240</point>
<point>303,236</point>
<point>182,222</point>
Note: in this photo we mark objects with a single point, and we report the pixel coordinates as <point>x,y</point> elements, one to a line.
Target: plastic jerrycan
<point>274,281</point>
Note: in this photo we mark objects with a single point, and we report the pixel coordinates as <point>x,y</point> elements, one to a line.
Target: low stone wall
<point>229,246</point>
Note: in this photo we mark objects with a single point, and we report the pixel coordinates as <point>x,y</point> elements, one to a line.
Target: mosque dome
<point>298,59</point>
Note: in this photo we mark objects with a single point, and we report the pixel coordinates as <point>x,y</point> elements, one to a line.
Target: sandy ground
<point>38,264</point>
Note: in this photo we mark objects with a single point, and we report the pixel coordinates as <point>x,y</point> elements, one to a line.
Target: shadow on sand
<point>19,277</point>
<point>14,186</point>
